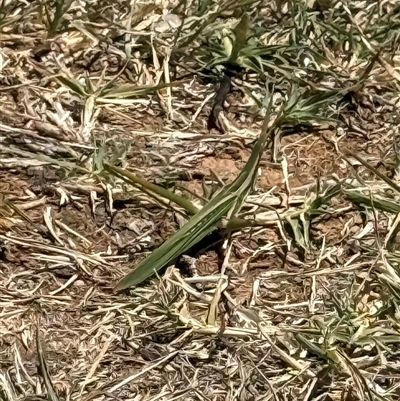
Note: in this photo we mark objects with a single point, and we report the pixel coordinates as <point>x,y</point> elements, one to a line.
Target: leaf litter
<point>299,299</point>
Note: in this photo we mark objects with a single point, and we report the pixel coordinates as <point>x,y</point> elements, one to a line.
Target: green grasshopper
<point>225,204</point>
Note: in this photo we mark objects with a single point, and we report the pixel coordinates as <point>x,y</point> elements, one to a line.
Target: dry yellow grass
<point>305,307</point>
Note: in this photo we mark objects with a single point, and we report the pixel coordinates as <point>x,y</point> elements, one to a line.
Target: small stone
<point>173,20</point>
<point>162,26</point>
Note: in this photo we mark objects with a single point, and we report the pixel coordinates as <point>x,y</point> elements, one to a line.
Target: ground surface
<point>306,313</point>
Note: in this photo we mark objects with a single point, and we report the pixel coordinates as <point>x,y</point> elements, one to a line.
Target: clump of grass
<point>54,13</point>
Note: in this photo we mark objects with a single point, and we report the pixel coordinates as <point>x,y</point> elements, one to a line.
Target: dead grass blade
<point>45,159</point>
<point>44,369</point>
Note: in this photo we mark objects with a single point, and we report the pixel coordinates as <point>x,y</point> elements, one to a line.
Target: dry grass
<point>302,306</point>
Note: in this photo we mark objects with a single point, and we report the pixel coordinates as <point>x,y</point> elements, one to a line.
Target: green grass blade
<point>383,177</point>
<point>140,182</point>
<point>240,32</point>
<point>128,90</point>
<point>73,84</point>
